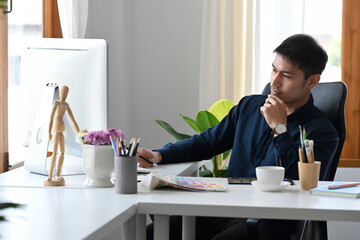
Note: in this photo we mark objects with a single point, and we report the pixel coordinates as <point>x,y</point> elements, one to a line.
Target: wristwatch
<point>279,129</point>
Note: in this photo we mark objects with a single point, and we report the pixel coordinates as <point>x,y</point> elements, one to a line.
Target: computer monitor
<point>81,64</point>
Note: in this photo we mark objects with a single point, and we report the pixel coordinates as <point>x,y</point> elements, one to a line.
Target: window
<point>278,19</point>
<point>325,27</point>
<point>24,23</point>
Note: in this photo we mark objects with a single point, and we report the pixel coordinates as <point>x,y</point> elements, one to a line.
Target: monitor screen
<point>46,65</point>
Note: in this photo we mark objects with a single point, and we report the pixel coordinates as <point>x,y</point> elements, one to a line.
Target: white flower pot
<point>98,164</point>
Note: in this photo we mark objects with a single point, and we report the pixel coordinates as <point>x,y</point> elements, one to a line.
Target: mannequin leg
<point>61,157</point>
<point>53,158</point>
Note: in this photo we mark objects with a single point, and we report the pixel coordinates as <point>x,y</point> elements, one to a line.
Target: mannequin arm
<point>51,118</point>
<point>73,119</point>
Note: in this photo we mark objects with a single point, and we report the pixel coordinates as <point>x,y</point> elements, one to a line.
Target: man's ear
<point>313,80</point>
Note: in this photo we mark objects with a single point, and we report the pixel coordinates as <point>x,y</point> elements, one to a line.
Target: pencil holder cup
<point>125,175</point>
<point>309,175</point>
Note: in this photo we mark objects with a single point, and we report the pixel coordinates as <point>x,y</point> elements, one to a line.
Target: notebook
<point>349,192</point>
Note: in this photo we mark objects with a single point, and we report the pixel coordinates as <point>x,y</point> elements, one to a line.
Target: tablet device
<point>240,180</point>
<point>247,180</point>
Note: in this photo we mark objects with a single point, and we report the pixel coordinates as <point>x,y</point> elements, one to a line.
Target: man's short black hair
<point>304,52</point>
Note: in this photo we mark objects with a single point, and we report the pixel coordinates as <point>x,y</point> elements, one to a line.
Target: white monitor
<point>81,64</point>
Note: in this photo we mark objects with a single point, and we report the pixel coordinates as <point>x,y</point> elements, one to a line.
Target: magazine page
<point>155,180</point>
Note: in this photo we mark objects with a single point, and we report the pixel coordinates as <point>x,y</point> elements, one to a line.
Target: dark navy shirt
<point>245,131</point>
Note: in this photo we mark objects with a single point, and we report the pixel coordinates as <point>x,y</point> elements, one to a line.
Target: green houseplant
<point>204,120</point>
<point>6,205</point>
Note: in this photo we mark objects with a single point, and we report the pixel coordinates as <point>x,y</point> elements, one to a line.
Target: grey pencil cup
<point>125,175</point>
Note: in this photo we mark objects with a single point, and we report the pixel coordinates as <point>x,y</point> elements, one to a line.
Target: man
<point>263,131</point>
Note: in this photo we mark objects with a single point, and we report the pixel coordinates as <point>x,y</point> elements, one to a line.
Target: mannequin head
<point>63,93</point>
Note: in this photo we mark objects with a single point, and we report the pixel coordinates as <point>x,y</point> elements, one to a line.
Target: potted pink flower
<point>98,156</point>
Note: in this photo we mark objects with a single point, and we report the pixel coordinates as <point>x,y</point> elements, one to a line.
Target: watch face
<point>280,128</point>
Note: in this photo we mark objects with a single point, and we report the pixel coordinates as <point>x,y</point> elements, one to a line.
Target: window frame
<point>50,29</point>
<point>4,148</point>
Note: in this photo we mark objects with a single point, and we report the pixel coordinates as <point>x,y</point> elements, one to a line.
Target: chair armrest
<point>251,226</point>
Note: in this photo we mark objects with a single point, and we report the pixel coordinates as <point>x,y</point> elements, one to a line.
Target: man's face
<point>288,83</point>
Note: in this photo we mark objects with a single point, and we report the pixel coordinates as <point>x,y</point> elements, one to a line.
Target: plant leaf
<point>205,173</point>
<point>191,122</point>
<point>205,119</point>
<point>213,160</point>
<point>221,108</point>
<point>226,154</point>
<point>10,205</point>
<point>178,136</point>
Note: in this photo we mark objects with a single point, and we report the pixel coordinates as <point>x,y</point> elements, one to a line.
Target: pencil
<point>304,135</point>
<point>148,161</point>
<point>312,150</point>
<point>343,185</point>
<point>122,146</point>
<point>308,151</point>
<point>130,147</point>
<point>113,145</point>
<point>301,137</point>
<point>301,156</point>
<point>136,146</point>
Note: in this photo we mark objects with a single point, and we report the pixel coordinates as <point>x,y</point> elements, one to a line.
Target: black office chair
<point>330,98</point>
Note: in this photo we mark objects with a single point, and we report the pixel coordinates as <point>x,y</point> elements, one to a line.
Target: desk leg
<point>130,228</point>
<point>141,227</point>
<point>188,229</point>
<point>161,227</point>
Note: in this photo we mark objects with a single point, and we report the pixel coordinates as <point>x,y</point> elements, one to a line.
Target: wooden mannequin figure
<point>57,125</point>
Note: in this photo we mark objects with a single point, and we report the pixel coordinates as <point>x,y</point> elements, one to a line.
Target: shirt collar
<point>304,109</point>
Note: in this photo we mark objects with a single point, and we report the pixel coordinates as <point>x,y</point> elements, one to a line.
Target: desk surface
<point>75,212</point>
<point>72,211</point>
<point>53,213</point>
<point>246,201</point>
<point>22,178</point>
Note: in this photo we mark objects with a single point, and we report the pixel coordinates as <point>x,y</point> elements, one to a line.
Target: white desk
<point>54,213</point>
<point>75,212</point>
<point>242,201</point>
<point>72,211</point>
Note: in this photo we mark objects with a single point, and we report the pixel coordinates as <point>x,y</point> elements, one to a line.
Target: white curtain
<point>227,45</point>
<point>238,40</point>
<point>73,17</point>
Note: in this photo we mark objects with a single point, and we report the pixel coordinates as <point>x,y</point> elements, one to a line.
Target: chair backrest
<point>330,98</point>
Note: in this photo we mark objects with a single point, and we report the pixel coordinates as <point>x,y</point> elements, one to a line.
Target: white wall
<point>153,59</point>
<point>154,55</point>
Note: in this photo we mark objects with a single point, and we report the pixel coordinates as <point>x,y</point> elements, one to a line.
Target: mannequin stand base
<point>54,182</point>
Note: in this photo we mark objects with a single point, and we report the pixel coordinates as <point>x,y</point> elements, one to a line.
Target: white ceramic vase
<point>98,164</point>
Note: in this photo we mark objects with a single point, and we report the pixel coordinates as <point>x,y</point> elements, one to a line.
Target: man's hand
<point>154,157</point>
<point>274,111</point>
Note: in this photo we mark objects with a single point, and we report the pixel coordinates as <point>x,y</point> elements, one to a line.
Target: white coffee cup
<point>270,175</point>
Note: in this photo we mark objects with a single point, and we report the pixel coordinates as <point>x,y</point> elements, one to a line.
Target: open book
<point>156,180</point>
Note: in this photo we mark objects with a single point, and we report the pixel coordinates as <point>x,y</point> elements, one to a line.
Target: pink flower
<point>102,137</point>
<point>115,133</point>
